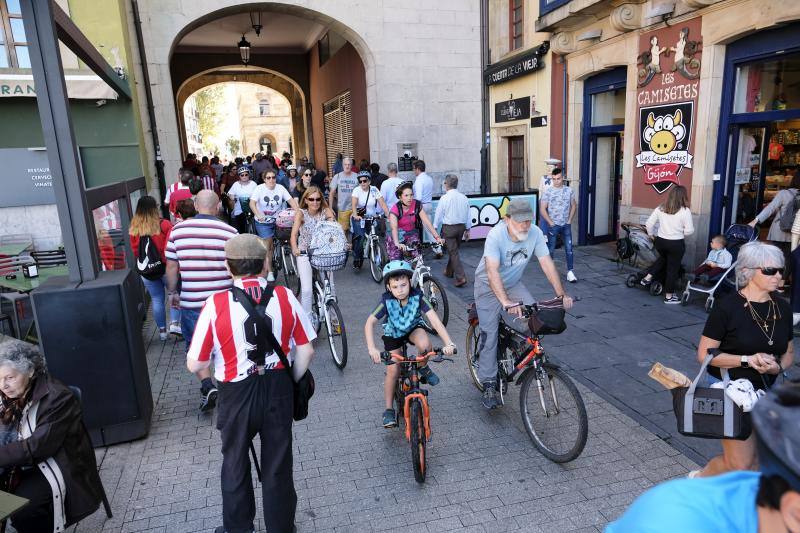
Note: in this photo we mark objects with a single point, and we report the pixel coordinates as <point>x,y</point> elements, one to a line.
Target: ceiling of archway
<point>281,32</point>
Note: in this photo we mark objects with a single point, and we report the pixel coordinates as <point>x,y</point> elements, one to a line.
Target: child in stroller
<point>717,262</point>
<point>736,235</point>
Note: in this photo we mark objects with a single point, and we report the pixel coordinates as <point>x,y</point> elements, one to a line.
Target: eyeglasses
<point>313,199</point>
<point>269,177</point>
<point>771,271</point>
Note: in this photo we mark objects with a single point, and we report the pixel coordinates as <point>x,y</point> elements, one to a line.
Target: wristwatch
<point>743,361</point>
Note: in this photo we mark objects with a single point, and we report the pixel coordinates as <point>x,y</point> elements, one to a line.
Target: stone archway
<point>169,22</point>
<point>259,76</point>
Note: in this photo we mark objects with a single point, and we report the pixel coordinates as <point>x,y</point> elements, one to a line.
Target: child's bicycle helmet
<point>245,169</point>
<point>397,267</point>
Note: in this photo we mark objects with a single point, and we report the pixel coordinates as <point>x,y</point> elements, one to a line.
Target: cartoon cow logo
<point>664,133</point>
<point>665,144</point>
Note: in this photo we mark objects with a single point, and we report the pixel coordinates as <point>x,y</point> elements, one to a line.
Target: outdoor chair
<point>12,266</point>
<point>47,258</point>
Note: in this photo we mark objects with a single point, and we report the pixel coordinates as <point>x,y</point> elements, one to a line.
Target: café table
<point>22,286</point>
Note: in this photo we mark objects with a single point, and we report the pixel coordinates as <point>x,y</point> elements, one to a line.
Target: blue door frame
<point>769,44</point>
<point>599,83</point>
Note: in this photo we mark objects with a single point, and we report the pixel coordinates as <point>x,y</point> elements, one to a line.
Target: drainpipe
<point>484,97</point>
<point>162,183</point>
<point>564,117</point>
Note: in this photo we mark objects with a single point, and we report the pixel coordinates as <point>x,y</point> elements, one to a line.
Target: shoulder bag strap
<point>247,303</point>
<point>688,402</point>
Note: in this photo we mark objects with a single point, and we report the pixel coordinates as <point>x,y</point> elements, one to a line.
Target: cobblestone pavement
<point>353,475</point>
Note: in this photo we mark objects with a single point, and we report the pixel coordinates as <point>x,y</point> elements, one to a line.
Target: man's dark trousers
<point>257,405</point>
<point>452,235</point>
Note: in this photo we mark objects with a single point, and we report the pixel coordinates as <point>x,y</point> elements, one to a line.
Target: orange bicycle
<point>411,402</point>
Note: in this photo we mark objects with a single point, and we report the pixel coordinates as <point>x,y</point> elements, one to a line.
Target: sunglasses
<point>771,271</point>
<point>363,181</point>
<point>270,177</point>
<point>307,174</point>
<point>313,199</point>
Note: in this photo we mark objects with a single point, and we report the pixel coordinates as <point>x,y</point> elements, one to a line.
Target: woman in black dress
<point>752,330</point>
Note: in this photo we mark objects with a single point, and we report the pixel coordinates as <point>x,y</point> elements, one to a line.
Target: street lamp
<point>256,22</point>
<point>244,50</point>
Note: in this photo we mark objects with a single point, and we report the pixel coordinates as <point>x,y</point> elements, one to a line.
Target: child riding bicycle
<point>403,309</point>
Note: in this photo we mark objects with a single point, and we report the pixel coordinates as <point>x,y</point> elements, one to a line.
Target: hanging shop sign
<point>26,178</point>
<point>516,109</point>
<point>516,66</point>
<point>667,94</point>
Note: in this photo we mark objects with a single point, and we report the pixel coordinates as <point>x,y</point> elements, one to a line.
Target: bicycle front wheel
<point>418,440</point>
<point>377,256</point>
<point>436,295</point>
<point>337,336</point>
<point>473,335</point>
<point>553,414</point>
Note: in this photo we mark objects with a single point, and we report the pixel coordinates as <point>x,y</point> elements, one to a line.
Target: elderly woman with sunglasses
<point>750,333</point>
<point>313,211</point>
<point>365,199</point>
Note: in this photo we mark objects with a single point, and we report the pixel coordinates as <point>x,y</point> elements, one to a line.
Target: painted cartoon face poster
<point>668,73</point>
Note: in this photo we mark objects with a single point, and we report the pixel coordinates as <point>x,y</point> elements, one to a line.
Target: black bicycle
<point>411,402</point>
<point>554,415</point>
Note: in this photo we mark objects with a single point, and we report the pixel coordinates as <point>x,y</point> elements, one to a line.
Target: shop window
<point>110,236</point>
<point>768,85</point>
<point>516,24</point>
<point>546,6</point>
<point>608,108</point>
<point>13,43</point>
<point>263,108</point>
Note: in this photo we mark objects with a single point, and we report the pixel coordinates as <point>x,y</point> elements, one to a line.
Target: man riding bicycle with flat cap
<point>509,247</point>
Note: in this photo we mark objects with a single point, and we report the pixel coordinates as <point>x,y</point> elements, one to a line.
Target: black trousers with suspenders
<point>258,405</point>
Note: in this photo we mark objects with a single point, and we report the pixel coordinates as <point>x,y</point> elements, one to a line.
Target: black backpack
<point>417,219</point>
<point>148,259</point>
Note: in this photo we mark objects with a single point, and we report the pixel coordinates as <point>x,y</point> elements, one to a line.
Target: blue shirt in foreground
<point>721,503</point>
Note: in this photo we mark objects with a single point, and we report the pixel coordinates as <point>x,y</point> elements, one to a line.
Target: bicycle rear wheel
<point>473,333</point>
<point>554,415</point>
<point>436,295</point>
<point>418,441</point>
<point>289,267</point>
<point>337,336</point>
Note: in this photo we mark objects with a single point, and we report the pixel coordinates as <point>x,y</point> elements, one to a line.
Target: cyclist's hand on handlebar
<point>375,354</point>
<point>514,308</point>
<point>402,247</point>
<point>450,349</point>
<point>296,251</point>
<point>568,301</point>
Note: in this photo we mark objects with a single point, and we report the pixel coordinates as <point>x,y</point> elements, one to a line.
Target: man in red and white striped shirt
<point>196,253</point>
<point>255,389</point>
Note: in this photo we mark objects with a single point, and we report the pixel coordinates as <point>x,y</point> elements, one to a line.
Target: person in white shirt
<point>239,197</point>
<point>389,186</point>
<point>674,221</point>
<point>266,201</point>
<point>453,222</point>
<point>366,200</point>
<point>423,191</point>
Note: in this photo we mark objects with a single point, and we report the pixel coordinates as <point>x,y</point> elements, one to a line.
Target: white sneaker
<point>175,328</point>
<point>571,277</point>
<point>162,334</point>
<point>270,277</point>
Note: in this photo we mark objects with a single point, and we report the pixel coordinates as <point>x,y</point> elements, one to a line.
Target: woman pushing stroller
<point>670,222</point>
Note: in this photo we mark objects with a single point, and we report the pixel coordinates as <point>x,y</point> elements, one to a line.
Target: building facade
<point>701,93</point>
<point>518,78</point>
<point>372,80</point>
<point>265,120</point>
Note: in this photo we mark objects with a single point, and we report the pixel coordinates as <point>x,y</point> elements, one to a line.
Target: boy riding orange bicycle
<point>403,309</point>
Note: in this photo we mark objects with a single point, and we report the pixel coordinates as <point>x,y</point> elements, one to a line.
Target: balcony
<point>560,14</point>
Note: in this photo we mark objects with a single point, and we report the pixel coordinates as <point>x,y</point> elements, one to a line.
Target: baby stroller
<point>634,244</point>
<point>736,235</point>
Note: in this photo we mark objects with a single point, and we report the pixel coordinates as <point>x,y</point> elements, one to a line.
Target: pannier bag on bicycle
<point>709,413</point>
<point>284,221</point>
<point>548,318</point>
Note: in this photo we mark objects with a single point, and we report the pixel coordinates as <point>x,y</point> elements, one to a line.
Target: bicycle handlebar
<point>391,358</point>
<point>529,309</point>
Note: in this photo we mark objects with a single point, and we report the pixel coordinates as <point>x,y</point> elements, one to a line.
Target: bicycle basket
<point>327,262</point>
<point>283,234</point>
<point>548,318</point>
